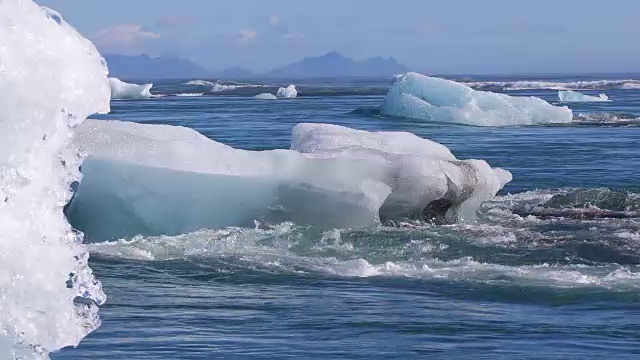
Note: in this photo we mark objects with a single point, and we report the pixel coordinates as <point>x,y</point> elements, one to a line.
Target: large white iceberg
<point>152,179</point>
<point>121,90</point>
<point>566,96</point>
<point>51,78</point>
<point>288,92</point>
<point>433,99</point>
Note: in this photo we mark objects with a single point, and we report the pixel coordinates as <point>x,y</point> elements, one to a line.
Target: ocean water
<point>551,269</point>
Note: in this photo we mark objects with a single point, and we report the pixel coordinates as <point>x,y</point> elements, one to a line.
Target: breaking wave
<point>216,86</point>
<point>606,119</point>
<point>512,244</point>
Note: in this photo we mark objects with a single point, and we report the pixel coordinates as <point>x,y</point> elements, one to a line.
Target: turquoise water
<point>551,269</point>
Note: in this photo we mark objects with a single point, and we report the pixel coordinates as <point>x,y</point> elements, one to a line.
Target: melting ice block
<point>121,90</point>
<point>51,78</point>
<point>433,99</point>
<point>152,179</point>
<point>288,92</point>
<point>266,96</point>
<point>566,96</point>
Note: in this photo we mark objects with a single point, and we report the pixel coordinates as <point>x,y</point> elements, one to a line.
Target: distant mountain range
<point>332,64</point>
<point>335,64</point>
<point>147,67</point>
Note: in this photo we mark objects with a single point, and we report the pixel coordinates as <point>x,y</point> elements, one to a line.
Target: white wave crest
<point>51,78</point>
<point>288,92</point>
<point>271,249</point>
<point>554,85</point>
<point>220,87</point>
<point>189,94</point>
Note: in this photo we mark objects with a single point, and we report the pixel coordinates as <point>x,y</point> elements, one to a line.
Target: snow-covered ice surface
<point>438,100</point>
<point>288,92</point>
<point>121,90</point>
<point>51,79</point>
<point>166,180</point>
<point>567,96</point>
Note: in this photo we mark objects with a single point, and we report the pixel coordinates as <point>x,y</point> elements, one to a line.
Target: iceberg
<point>566,96</point>
<point>266,96</point>
<point>166,180</point>
<point>121,90</point>
<point>288,92</point>
<point>433,99</point>
<point>51,79</point>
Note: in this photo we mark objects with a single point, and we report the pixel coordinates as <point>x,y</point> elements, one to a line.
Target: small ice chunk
<point>433,99</point>
<point>121,90</point>
<point>266,96</point>
<point>567,96</point>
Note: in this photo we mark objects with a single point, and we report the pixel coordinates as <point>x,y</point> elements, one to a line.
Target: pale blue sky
<point>447,36</point>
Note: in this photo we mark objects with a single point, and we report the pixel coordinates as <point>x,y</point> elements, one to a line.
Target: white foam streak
<point>271,248</point>
<point>552,85</point>
<point>215,86</point>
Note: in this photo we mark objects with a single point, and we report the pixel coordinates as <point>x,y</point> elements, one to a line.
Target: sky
<point>444,37</point>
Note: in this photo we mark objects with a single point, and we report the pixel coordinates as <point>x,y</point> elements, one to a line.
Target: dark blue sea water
<point>551,269</point>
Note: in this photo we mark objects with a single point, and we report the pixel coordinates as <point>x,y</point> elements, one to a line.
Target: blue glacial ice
<point>434,99</point>
<point>266,96</point>
<point>165,180</point>
<point>567,96</point>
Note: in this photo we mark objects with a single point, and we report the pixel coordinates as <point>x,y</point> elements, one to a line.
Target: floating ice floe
<point>266,96</point>
<point>51,78</point>
<point>121,90</point>
<point>153,180</point>
<point>288,92</point>
<point>567,96</point>
<point>438,100</point>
